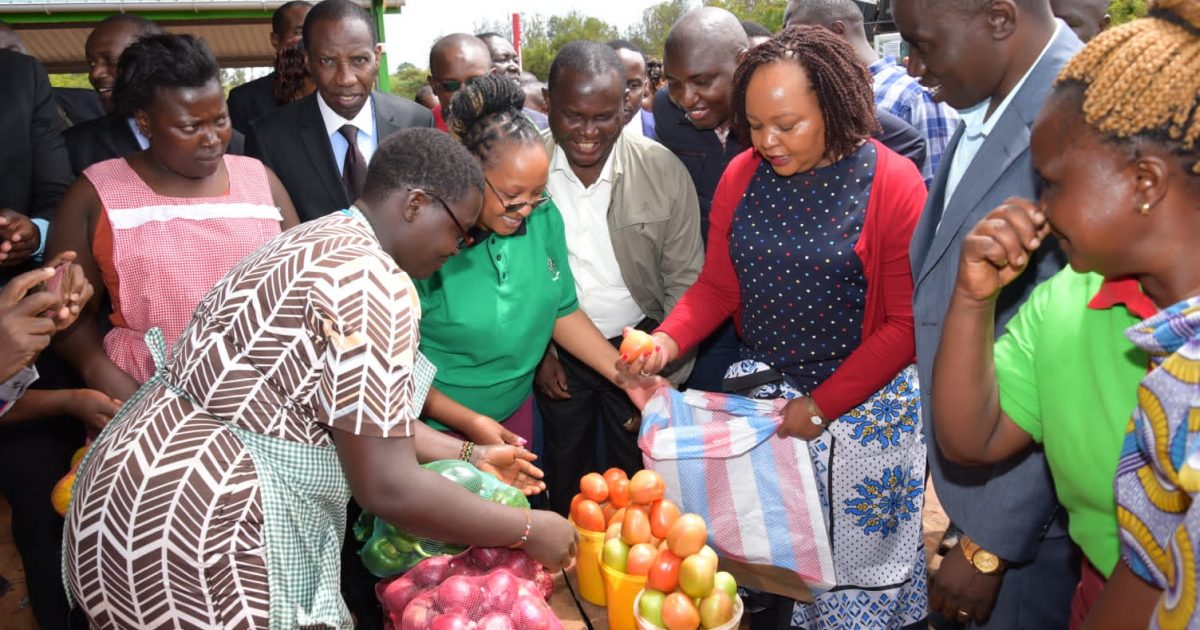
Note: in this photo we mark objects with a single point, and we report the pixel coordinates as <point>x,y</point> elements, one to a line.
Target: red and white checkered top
<point>167,252</point>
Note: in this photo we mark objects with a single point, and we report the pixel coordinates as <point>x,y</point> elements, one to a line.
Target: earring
<point>1145,209</point>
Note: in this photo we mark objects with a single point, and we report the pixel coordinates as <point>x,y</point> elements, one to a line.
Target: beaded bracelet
<point>528,527</point>
<point>465,452</point>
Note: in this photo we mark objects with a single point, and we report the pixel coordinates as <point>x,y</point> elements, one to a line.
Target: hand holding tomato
<point>643,355</point>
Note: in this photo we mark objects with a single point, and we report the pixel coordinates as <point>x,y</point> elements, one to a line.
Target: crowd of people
<point>264,311</point>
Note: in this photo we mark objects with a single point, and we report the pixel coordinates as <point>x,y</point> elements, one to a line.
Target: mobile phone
<point>55,285</point>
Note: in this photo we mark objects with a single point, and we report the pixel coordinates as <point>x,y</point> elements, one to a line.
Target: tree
<point>542,38</point>
<point>70,81</point>
<point>651,32</point>
<point>407,80</point>
<point>1125,10</point>
<point>769,13</point>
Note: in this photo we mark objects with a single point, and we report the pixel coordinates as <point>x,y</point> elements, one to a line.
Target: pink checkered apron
<point>169,251</point>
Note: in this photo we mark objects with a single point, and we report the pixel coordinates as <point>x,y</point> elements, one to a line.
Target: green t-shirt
<point>1069,377</point>
<point>488,314</point>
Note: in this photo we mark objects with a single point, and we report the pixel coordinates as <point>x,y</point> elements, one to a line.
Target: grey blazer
<point>1006,508</point>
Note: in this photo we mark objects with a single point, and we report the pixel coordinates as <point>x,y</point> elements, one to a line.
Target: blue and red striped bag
<point>721,459</point>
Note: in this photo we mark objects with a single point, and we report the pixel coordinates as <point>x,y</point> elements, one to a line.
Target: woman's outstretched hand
<point>511,464</point>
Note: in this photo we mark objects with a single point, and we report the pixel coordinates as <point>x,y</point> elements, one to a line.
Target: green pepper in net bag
<point>388,551</point>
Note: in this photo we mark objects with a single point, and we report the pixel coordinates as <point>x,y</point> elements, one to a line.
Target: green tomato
<point>716,610</point>
<point>650,607</point>
<point>697,576</point>
<point>616,554</point>
<point>724,581</point>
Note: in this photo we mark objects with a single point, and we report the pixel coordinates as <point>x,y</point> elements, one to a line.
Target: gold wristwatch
<point>984,561</point>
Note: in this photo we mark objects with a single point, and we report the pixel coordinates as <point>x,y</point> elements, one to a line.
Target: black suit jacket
<point>78,105</point>
<point>110,137</point>
<point>292,142</point>
<point>34,169</point>
<point>252,100</point>
<point>902,138</point>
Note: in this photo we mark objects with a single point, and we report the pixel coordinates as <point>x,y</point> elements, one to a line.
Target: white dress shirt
<point>979,126</point>
<point>635,126</point>
<point>598,283</point>
<point>365,121</point>
<point>141,138</point>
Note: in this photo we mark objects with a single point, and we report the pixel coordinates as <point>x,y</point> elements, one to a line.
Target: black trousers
<point>569,428</point>
<point>34,455</point>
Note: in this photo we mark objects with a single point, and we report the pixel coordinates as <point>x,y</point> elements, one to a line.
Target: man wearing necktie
<point>320,145</point>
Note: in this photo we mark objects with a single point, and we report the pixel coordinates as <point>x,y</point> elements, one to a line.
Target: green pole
<point>385,79</point>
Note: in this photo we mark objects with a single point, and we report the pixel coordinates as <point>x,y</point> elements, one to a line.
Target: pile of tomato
<point>646,535</point>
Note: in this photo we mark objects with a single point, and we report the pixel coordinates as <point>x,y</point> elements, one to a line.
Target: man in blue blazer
<point>995,61</point>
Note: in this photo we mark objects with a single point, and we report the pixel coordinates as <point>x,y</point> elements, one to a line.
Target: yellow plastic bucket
<point>621,591</point>
<point>587,566</point>
<point>738,609</point>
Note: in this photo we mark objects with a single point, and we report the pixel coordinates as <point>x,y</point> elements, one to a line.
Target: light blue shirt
<point>365,121</point>
<point>978,126</point>
<point>142,140</point>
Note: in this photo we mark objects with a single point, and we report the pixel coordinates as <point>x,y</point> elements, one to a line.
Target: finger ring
<point>962,614</point>
<point>645,373</point>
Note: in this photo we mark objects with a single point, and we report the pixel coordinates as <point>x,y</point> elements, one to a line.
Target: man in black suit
<point>319,146</point>
<point>249,101</point>
<point>114,134</point>
<point>75,105</point>
<point>34,174</point>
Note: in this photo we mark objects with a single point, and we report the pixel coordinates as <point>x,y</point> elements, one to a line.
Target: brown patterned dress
<point>316,329</point>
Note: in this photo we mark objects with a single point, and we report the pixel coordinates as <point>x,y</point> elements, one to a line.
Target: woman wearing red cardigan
<point>808,250</point>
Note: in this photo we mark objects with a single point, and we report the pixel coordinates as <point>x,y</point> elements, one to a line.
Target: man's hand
<point>511,464</point>
<point>550,378</point>
<point>24,333</point>
<point>960,592</point>
<point>72,285</point>
<point>19,237</point>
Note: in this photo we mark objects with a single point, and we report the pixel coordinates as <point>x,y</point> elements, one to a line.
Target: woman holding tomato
<point>808,250</point>
<point>490,312</point>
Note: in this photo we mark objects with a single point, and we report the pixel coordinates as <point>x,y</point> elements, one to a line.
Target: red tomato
<point>593,487</point>
<point>680,613</point>
<point>587,515</point>
<point>635,528</point>
<point>687,536</point>
<point>637,344</point>
<point>640,558</point>
<point>663,515</point>
<point>609,510</point>
<point>646,487</point>
<point>664,572</point>
<point>612,475</point>
<point>616,517</point>
<point>575,501</point>
<point>618,493</point>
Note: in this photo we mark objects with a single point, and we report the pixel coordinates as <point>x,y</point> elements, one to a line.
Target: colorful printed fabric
<point>870,471</point>
<point>1159,472</point>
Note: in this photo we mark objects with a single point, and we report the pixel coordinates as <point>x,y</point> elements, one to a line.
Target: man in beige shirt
<point>632,225</point>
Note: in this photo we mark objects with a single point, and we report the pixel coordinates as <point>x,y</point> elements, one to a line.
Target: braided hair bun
<point>487,112</point>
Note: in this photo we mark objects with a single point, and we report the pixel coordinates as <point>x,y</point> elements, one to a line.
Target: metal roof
<point>238,31</point>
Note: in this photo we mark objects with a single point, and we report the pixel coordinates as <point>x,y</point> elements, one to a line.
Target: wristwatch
<point>984,561</point>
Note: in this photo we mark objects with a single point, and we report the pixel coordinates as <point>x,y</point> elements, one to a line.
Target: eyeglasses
<point>455,85</point>
<point>517,206</point>
<point>464,239</point>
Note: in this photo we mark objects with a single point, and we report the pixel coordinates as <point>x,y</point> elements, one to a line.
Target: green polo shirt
<point>489,312</point>
<point>1069,377</point>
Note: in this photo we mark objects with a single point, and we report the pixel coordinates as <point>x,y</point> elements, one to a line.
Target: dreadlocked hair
<point>487,112</point>
<point>1142,79</point>
<point>839,79</point>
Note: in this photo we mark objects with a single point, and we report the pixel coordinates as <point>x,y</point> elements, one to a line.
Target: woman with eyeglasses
<point>489,313</point>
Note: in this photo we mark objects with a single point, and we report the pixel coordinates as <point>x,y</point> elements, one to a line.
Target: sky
<point>422,22</point>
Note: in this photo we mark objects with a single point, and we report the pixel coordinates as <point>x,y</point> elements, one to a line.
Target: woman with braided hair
<point>808,250</point>
<point>1116,144</point>
<point>490,312</point>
